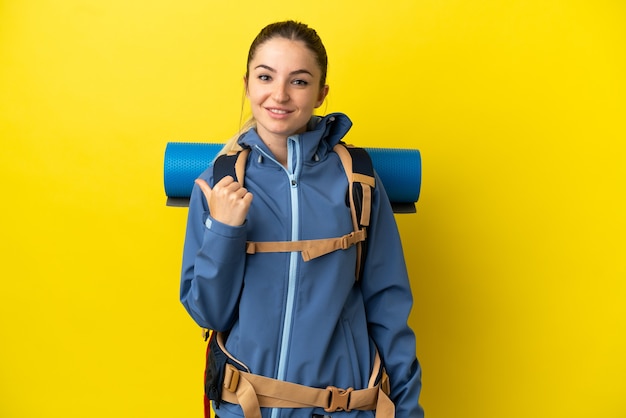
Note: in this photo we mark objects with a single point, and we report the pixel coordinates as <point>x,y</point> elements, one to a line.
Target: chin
<point>282,130</point>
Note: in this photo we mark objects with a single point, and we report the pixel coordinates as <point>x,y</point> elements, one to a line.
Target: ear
<point>322,95</point>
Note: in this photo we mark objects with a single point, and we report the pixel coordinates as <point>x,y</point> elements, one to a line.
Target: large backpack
<point>359,171</point>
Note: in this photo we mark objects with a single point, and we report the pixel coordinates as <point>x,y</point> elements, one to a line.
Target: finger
<point>241,192</point>
<point>204,186</point>
<point>225,182</point>
<point>247,198</point>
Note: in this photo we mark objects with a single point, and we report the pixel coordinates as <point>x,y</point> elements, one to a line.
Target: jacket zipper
<point>293,172</point>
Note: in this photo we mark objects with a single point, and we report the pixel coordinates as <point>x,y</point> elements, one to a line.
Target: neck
<point>278,147</point>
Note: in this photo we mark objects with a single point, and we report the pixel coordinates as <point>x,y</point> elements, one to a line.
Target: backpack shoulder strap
<point>233,165</point>
<point>359,170</point>
<point>361,180</point>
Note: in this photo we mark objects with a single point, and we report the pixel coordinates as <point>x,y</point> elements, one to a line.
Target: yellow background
<point>517,252</point>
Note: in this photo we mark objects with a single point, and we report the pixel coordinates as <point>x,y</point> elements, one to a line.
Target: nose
<point>281,94</point>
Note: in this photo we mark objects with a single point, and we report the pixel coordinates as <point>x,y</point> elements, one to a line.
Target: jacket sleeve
<point>212,267</point>
<point>388,301</point>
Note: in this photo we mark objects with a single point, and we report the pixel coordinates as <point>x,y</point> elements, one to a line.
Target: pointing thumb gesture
<point>228,201</point>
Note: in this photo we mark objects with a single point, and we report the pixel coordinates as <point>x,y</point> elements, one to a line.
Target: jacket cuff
<point>227,231</point>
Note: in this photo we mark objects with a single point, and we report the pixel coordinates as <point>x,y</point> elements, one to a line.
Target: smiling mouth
<point>278,111</point>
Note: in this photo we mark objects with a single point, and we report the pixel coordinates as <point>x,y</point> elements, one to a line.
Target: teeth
<point>278,111</point>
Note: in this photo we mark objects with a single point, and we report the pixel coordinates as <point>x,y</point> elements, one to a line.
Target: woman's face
<point>283,87</point>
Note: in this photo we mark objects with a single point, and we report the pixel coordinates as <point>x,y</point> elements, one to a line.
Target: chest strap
<point>310,249</point>
<point>252,392</point>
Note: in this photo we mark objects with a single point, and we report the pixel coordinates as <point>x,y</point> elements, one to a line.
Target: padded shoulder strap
<point>364,180</point>
<point>361,161</point>
<point>359,170</point>
<point>233,165</point>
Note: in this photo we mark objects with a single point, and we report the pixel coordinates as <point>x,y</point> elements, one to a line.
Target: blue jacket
<point>304,322</point>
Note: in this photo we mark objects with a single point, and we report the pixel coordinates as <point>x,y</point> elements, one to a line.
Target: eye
<point>300,82</point>
<point>264,77</point>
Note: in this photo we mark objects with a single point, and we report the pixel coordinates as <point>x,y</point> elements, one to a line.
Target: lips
<point>278,112</point>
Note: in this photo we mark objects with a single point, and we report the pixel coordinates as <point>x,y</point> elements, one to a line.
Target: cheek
<point>255,92</point>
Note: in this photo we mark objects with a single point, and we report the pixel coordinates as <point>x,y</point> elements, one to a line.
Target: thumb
<point>204,186</point>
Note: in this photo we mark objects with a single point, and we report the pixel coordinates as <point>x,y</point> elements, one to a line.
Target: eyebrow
<point>295,72</point>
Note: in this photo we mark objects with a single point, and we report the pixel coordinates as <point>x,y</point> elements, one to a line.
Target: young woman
<point>284,319</point>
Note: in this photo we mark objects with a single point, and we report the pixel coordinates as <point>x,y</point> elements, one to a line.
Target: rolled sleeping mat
<point>399,169</point>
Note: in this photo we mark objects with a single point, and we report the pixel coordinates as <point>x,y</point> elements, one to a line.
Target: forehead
<point>285,54</point>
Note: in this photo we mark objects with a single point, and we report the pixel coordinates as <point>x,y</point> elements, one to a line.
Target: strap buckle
<point>339,399</point>
<point>346,241</point>
<point>351,239</point>
<point>231,378</point>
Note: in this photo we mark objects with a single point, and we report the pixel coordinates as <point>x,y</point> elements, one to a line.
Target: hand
<point>228,201</point>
